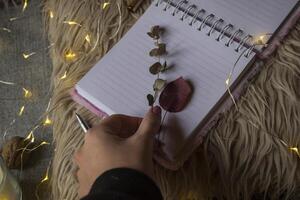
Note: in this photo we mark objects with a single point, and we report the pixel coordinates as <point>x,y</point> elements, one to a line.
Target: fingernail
<point>156,110</point>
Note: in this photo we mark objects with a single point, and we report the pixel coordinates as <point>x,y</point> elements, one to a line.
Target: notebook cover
<point>223,104</point>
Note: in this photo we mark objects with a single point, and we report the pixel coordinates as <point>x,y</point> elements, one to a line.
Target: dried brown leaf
<point>154,33</point>
<point>150,99</point>
<point>156,37</point>
<point>175,95</point>
<point>161,50</point>
<point>154,52</point>
<point>159,84</point>
<point>155,68</point>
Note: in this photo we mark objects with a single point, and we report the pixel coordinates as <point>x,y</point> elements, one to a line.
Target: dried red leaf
<point>175,95</point>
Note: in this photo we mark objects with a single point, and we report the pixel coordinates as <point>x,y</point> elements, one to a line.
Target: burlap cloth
<point>242,156</point>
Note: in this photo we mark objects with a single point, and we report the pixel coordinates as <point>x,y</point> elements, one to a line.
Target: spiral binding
<point>210,19</point>
<point>179,5</point>
<point>205,21</point>
<point>187,11</point>
<point>215,24</point>
<point>234,35</point>
<point>227,28</point>
<point>196,16</point>
<point>243,41</point>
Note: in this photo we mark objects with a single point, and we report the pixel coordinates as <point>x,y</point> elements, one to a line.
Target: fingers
<point>151,123</point>
<point>121,125</point>
<point>76,158</point>
<point>82,178</point>
<point>84,184</point>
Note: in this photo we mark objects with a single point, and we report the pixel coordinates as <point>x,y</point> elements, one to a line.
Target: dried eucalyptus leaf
<point>154,52</point>
<point>162,45</point>
<point>150,99</point>
<point>155,68</point>
<point>162,48</point>
<point>156,30</point>
<point>159,84</point>
<point>154,33</point>
<point>156,37</point>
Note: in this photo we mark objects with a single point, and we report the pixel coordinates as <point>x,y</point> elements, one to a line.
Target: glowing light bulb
<point>27,93</point>
<point>72,23</point>
<point>64,76</point>
<point>262,37</point>
<point>7,83</point>
<point>105,5</point>
<point>296,150</point>
<point>13,19</point>
<point>21,111</point>
<point>88,38</point>
<point>6,29</point>
<point>26,56</point>
<point>70,55</point>
<point>25,5</point>
<point>44,143</point>
<point>227,81</point>
<point>30,136</point>
<point>47,121</point>
<point>51,14</point>
<point>46,178</point>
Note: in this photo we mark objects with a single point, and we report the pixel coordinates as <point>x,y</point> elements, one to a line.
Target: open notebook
<point>120,81</point>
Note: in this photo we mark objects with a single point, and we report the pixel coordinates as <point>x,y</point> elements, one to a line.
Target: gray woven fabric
<point>26,36</point>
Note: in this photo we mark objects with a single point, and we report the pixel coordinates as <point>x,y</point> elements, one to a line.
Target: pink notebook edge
<point>159,156</point>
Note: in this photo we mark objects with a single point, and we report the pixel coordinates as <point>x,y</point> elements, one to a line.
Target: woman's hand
<point>117,141</point>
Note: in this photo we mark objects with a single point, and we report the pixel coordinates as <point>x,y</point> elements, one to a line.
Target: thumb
<point>150,124</point>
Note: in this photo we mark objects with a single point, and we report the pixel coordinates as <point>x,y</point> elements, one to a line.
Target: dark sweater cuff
<point>125,181</point>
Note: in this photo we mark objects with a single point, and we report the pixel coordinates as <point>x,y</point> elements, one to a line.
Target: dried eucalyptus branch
<point>175,95</point>
<point>157,67</point>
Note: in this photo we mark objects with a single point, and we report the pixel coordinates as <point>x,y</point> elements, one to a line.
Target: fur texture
<point>242,156</point>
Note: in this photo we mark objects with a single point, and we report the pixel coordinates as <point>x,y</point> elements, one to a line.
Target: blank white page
<point>120,81</point>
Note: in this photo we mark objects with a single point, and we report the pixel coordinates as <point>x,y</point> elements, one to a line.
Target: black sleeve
<point>124,184</point>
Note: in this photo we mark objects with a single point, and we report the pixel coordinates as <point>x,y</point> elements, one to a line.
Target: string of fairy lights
<point>27,94</point>
<point>260,40</point>
<point>46,121</point>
